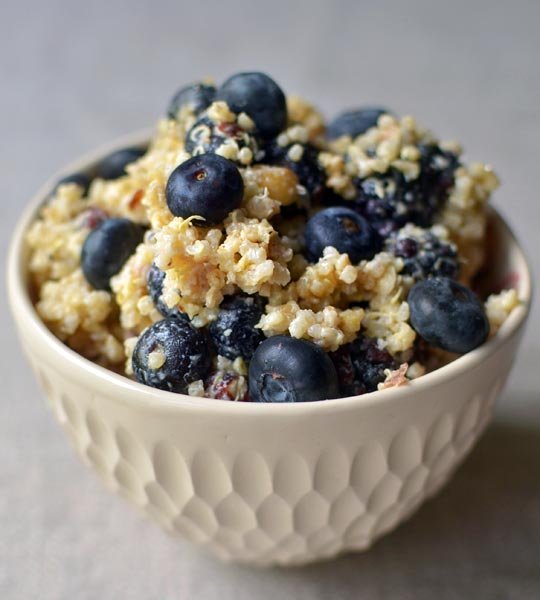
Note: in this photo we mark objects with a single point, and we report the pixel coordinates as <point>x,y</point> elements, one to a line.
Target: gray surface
<point>76,74</point>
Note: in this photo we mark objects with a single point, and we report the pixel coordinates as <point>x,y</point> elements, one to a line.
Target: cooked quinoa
<point>259,250</point>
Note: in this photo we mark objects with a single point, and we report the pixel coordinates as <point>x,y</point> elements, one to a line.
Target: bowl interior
<point>506,266</point>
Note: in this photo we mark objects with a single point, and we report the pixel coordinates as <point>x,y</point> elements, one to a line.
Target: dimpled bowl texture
<point>272,484</point>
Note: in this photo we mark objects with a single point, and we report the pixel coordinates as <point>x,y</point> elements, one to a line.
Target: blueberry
<point>260,98</point>
<point>154,284</point>
<point>208,186</point>
<point>345,230</point>
<point>81,179</point>
<point>233,332</point>
<point>361,365</point>
<point>114,165</point>
<point>181,347</point>
<point>107,248</point>
<point>198,96</point>
<point>209,136</point>
<point>447,315</point>
<point>437,168</point>
<point>285,369</point>
<point>424,254</point>
<point>310,174</point>
<point>354,122</point>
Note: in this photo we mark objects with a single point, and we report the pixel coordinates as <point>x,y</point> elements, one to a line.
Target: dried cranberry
<point>92,217</point>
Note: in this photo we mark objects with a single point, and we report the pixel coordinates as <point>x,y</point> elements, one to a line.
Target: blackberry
<point>310,174</point>
<point>424,253</point>
<point>436,177</point>
<point>360,366</point>
<point>207,136</point>
<point>437,168</point>
<point>233,332</point>
<point>389,201</point>
<point>385,201</point>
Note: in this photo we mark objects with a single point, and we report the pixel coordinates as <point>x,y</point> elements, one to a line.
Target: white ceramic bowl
<point>263,483</point>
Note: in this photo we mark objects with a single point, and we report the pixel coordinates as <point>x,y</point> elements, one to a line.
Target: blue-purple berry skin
<point>197,96</point>
<point>354,122</point>
<point>424,256</point>
<point>154,282</point>
<point>106,249</point>
<point>187,356</point>
<point>207,186</point>
<point>285,369</point>
<point>234,332</point>
<point>260,97</point>
<point>343,229</point>
<point>448,315</point>
<point>114,165</point>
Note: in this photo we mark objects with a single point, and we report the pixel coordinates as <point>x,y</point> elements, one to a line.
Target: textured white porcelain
<point>262,483</point>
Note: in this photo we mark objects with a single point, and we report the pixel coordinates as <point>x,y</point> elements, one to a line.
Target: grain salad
<point>253,253</point>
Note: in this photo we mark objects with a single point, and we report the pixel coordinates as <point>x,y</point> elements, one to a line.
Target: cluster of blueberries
<point>282,369</point>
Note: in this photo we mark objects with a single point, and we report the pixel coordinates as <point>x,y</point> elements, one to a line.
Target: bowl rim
<point>21,303</point>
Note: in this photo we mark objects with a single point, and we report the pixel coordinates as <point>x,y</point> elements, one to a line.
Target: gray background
<point>76,74</point>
